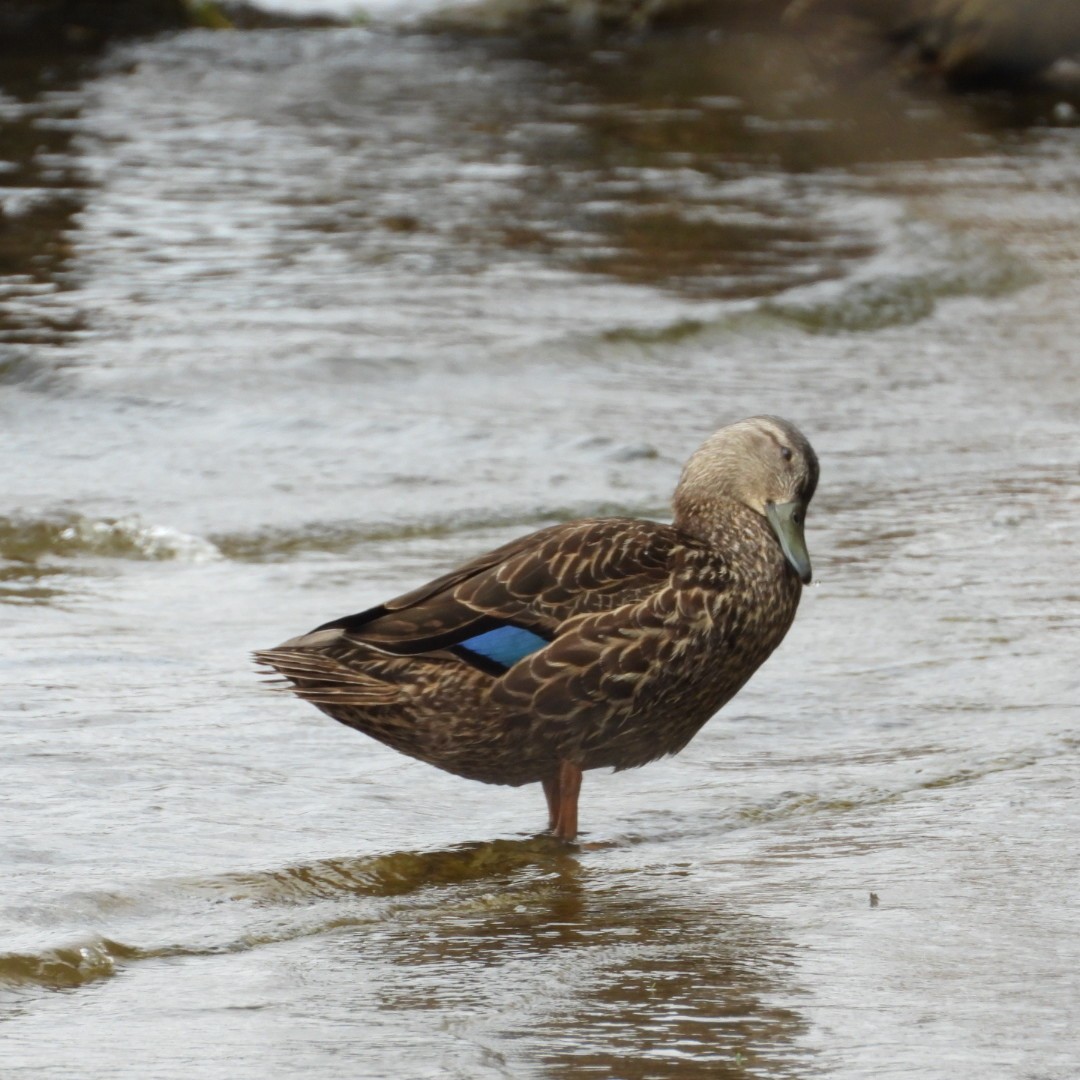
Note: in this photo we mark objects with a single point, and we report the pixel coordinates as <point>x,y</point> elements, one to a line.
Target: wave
<point>28,583</point>
<point>66,966</point>
<point>301,887</point>
<point>915,271</point>
<point>273,544</point>
<point>27,540</point>
<point>905,285</point>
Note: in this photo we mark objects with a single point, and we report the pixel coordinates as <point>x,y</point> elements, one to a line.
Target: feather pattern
<point>597,643</point>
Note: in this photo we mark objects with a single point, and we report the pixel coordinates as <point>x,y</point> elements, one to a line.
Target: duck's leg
<point>551,793</point>
<point>569,787</point>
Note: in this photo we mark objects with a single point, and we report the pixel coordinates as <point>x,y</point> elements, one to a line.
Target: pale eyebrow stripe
<point>768,429</point>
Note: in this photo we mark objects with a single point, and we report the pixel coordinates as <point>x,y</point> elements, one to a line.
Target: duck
<point>598,643</point>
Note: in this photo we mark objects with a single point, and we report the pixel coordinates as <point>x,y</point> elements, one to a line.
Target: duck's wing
<point>510,602</point>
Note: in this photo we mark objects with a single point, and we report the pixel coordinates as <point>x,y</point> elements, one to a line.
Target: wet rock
<point>970,42</point>
<point>240,15</point>
<point>82,25</point>
<point>976,42</point>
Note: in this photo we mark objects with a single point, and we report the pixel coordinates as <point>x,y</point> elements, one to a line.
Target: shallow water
<point>292,321</point>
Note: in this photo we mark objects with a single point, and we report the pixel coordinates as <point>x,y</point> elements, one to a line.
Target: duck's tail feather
<point>323,680</point>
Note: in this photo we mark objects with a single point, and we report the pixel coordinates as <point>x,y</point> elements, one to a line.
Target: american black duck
<point>597,643</point>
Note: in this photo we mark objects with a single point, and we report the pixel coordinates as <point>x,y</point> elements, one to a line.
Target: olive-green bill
<point>787,522</point>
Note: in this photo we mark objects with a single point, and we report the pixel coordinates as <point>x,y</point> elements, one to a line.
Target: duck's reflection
<point>399,873</point>
<point>565,963</point>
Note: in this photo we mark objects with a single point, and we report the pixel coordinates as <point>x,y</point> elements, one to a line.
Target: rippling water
<point>291,321</point>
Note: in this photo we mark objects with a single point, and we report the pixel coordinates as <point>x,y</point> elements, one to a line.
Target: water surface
<point>292,321</point>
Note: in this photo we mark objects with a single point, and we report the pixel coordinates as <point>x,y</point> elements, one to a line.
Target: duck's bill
<point>787,522</point>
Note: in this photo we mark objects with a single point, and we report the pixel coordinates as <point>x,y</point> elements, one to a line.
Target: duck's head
<point>762,462</point>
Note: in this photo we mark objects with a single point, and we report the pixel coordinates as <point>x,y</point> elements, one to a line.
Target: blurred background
<point>302,303</point>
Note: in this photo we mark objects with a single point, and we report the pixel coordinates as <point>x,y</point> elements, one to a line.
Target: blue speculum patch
<point>505,645</point>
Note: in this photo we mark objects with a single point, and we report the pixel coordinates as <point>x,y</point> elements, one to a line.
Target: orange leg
<point>570,788</point>
<point>562,795</point>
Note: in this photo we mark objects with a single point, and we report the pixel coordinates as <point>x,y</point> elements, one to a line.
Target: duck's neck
<point>723,523</point>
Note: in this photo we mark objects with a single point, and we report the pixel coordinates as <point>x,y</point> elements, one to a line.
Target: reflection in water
<point>685,166</point>
<point>398,874</point>
<point>588,978</point>
<point>681,160</point>
<point>26,583</point>
<point>41,193</point>
<point>590,975</point>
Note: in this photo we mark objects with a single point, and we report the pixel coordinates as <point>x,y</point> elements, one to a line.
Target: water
<point>293,321</point>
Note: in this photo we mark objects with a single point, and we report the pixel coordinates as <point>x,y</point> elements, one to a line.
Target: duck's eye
<point>785,452</point>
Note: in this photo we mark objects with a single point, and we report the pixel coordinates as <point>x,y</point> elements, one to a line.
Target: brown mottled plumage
<point>631,634</point>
